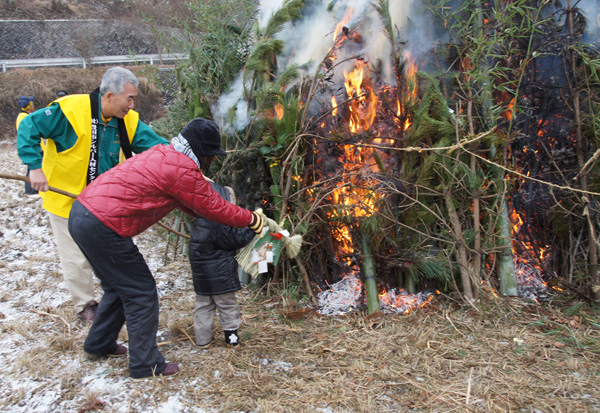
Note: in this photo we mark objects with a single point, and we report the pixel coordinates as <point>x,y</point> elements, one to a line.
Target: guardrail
<point>96,60</point>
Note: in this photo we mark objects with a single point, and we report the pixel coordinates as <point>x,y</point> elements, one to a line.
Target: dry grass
<point>509,356</point>
<point>503,355</point>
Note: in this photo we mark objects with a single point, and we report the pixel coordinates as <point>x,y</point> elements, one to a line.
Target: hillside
<point>44,82</point>
<point>62,28</point>
<point>132,10</point>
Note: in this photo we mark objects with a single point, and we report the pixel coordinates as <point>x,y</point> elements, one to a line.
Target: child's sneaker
<point>231,337</point>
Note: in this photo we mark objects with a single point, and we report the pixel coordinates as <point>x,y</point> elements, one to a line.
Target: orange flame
<point>410,73</point>
<point>528,259</point>
<point>363,102</point>
<point>507,114</point>
<point>279,110</point>
<point>344,21</point>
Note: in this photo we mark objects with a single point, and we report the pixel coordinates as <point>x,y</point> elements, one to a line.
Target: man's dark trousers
<point>129,294</point>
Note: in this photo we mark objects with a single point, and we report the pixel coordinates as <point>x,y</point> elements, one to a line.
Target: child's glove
<point>257,222</point>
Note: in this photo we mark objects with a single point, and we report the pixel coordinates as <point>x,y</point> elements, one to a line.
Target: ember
<point>343,296</point>
<point>530,284</point>
<point>347,295</point>
<point>528,263</point>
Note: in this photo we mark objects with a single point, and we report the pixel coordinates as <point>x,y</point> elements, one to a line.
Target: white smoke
<point>591,10</point>
<point>309,39</point>
<point>231,111</point>
<point>266,9</point>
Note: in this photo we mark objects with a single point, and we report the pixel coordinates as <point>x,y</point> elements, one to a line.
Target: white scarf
<point>180,144</point>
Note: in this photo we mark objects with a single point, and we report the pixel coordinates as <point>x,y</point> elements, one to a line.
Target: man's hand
<point>38,180</point>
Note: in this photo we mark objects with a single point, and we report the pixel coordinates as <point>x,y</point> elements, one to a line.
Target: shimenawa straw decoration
<point>266,248</point>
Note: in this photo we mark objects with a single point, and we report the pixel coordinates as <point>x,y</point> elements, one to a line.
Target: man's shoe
<point>119,352</point>
<point>170,370</point>
<point>89,312</point>
<point>231,337</point>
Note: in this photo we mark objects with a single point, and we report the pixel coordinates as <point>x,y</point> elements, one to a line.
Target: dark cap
<point>203,137</point>
<point>24,101</point>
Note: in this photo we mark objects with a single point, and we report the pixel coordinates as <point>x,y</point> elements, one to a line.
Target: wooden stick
<point>69,194</point>
<point>26,179</point>
<point>164,343</point>
<point>55,316</point>
<point>174,231</point>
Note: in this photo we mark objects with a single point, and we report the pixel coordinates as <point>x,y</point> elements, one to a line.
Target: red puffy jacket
<point>136,194</point>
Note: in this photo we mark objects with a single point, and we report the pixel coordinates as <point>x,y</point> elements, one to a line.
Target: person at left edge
<point>26,107</point>
<point>86,135</point>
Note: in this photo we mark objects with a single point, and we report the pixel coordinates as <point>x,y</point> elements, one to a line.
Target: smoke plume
<point>309,39</point>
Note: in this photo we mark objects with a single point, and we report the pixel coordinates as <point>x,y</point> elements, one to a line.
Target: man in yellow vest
<point>26,107</point>
<point>86,135</point>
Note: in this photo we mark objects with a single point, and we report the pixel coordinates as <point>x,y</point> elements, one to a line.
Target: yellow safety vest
<point>67,170</point>
<point>20,117</point>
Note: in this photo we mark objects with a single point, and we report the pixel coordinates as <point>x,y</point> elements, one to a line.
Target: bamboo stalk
<point>477,259</point>
<point>369,274</point>
<point>462,256</point>
<point>506,264</point>
<point>306,280</point>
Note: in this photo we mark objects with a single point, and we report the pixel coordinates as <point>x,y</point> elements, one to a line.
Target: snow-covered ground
<point>42,367</point>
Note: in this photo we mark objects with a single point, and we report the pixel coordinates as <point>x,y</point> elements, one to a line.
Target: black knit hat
<point>203,137</point>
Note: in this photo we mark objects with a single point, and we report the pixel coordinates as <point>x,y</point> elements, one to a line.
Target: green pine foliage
<point>445,195</point>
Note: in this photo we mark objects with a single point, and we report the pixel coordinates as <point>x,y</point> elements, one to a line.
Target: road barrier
<point>95,60</point>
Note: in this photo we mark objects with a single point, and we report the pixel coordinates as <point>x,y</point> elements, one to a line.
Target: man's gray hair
<point>115,79</point>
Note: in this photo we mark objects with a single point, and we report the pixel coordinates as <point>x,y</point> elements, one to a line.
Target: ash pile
<point>348,295</point>
<point>530,283</point>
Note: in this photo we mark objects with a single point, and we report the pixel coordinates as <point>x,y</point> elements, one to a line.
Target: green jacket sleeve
<point>145,138</point>
<point>45,123</point>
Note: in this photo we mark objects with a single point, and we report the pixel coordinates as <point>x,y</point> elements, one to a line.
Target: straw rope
<point>462,145</point>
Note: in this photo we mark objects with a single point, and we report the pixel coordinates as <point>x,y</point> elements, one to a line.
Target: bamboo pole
<point>462,256</point>
<point>369,274</point>
<point>594,268</point>
<point>306,280</point>
<point>506,264</point>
